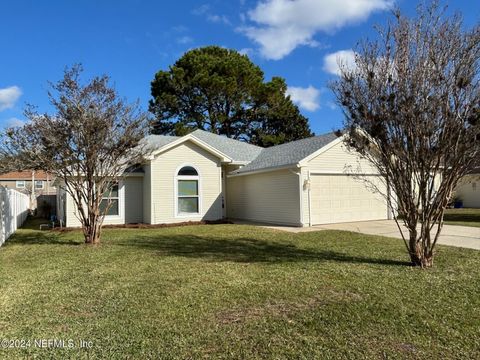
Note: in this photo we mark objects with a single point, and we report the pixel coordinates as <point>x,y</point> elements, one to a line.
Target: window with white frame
<point>38,184</point>
<point>20,184</point>
<point>110,202</point>
<point>188,197</point>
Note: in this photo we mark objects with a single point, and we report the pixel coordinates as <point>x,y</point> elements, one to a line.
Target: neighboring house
<point>468,190</point>
<point>36,184</point>
<point>203,176</point>
<point>23,180</point>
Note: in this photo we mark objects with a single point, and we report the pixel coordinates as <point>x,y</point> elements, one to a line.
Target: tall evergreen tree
<point>222,91</point>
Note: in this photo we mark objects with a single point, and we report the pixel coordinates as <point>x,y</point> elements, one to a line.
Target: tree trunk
<point>420,255</point>
<point>421,258</point>
<point>91,231</point>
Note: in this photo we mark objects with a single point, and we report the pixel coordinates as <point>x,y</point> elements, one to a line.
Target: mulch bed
<point>150,226</point>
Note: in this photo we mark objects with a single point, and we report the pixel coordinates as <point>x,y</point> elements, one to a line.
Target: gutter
<point>264,170</point>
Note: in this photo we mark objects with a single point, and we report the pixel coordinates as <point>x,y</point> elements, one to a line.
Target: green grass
<point>236,292</point>
<point>464,217</point>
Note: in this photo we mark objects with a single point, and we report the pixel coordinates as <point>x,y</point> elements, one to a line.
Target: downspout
<point>309,200</point>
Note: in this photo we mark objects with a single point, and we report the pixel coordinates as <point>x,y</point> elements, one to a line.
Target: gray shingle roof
<point>258,158</point>
<point>287,154</point>
<point>154,142</point>
<point>234,149</point>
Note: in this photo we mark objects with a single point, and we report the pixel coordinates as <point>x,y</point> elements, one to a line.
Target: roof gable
<point>229,150</point>
<point>165,143</point>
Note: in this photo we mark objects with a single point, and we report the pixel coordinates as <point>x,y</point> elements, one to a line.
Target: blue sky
<point>130,40</point>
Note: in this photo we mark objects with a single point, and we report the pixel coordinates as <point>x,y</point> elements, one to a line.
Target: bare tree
<point>89,142</point>
<point>412,106</point>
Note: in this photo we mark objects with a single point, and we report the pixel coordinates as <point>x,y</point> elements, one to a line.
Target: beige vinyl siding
<point>271,197</point>
<point>147,194</point>
<point>71,212</point>
<point>226,169</point>
<point>134,200</point>
<point>131,206</point>
<point>73,220</point>
<point>469,191</point>
<point>163,183</point>
<point>336,160</point>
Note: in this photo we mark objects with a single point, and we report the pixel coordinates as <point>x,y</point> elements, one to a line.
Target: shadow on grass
<point>30,233</point>
<point>241,249</point>
<point>46,237</point>
<point>244,250</point>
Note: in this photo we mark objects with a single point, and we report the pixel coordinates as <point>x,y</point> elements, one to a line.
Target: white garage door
<point>344,198</point>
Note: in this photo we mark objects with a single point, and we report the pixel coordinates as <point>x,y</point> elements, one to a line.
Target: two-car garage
<point>312,183</point>
<point>345,198</point>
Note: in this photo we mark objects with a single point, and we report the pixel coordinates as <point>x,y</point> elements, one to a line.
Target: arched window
<point>187,171</point>
<point>188,195</point>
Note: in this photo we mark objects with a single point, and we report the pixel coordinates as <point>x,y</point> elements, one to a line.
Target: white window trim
<point>121,204</point>
<point>39,188</point>
<point>20,187</point>
<point>198,177</point>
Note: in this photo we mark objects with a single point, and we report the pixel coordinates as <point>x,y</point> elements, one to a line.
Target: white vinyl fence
<point>14,207</point>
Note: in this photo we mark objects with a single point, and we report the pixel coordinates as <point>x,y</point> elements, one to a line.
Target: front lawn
<point>236,292</point>
<point>464,217</point>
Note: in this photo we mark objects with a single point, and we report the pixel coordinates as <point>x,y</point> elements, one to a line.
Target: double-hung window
<point>109,206</point>
<point>20,184</point>
<point>188,196</point>
<point>38,184</point>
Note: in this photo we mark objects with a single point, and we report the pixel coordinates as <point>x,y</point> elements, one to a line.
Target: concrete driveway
<point>461,236</point>
<point>453,235</point>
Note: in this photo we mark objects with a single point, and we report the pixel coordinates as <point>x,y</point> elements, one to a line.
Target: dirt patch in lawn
<point>284,309</point>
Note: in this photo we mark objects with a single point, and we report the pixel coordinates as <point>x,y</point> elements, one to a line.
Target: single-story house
<point>468,189</point>
<point>203,176</point>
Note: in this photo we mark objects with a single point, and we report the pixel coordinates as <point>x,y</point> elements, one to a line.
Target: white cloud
<point>9,96</point>
<point>246,51</point>
<point>282,25</point>
<point>184,40</point>
<point>202,9</point>
<point>180,29</point>
<point>346,59</point>
<point>205,10</point>
<point>307,98</point>
<point>342,58</point>
<point>218,19</point>
<point>14,122</point>
<point>331,105</point>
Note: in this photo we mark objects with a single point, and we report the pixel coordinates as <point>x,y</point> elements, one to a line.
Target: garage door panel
<point>344,198</point>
